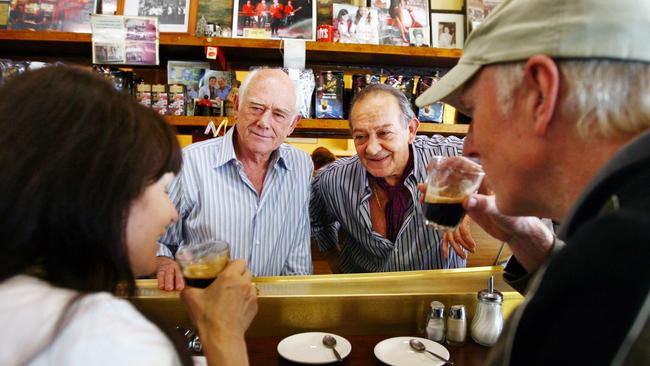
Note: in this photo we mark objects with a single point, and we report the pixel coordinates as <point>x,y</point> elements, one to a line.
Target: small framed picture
<point>419,37</point>
<point>173,16</point>
<point>447,30</point>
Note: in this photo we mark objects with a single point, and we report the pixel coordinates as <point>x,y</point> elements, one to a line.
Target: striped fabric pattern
<point>216,200</point>
<point>340,195</point>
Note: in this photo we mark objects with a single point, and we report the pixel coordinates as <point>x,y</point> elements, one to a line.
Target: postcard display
<point>125,40</point>
<point>329,95</point>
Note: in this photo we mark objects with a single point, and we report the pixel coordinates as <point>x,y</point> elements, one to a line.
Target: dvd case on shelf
<point>329,95</point>
<point>403,83</point>
<point>432,112</point>
<point>360,81</point>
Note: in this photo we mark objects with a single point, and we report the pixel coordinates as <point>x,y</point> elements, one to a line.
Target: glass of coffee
<point>202,262</point>
<point>449,181</point>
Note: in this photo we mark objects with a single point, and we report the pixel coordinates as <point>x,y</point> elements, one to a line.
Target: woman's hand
<point>222,313</point>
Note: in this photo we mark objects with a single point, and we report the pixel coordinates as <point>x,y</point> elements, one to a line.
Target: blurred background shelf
<point>306,127</point>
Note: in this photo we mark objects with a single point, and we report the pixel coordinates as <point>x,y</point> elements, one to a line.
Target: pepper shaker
<point>456,326</point>
<point>436,322</point>
<point>488,320</point>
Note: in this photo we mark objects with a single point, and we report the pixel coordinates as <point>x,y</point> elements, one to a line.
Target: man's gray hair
<point>243,89</point>
<point>608,98</point>
<point>373,89</point>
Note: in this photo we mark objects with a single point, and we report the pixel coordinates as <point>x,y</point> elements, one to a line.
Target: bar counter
<point>364,308</point>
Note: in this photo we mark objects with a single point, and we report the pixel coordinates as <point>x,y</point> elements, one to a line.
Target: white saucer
<point>308,348</point>
<point>397,352</point>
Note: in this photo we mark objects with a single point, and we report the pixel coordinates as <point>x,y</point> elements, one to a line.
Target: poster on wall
<point>398,17</point>
<point>275,19</point>
<point>51,15</point>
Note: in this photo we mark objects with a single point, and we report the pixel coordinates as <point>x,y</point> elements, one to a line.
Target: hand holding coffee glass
<point>449,181</point>
<point>201,263</point>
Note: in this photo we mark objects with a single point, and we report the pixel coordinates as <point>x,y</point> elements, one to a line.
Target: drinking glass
<point>202,262</point>
<point>448,182</point>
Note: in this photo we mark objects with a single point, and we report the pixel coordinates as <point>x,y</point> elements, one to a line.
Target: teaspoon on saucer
<point>420,347</point>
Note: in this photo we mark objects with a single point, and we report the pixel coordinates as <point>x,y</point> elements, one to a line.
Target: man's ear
<point>294,123</point>
<point>413,125</point>
<point>542,78</point>
<point>235,102</point>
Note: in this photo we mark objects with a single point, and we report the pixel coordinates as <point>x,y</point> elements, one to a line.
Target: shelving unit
<point>239,53</point>
<point>30,43</point>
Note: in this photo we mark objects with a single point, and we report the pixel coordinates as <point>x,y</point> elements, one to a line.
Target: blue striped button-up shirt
<point>216,200</point>
<point>340,195</point>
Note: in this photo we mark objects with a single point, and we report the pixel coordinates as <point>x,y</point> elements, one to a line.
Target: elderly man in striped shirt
<point>248,187</point>
<point>373,196</point>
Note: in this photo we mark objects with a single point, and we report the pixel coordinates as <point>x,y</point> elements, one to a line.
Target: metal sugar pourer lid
<point>437,309</point>
<point>457,312</point>
<point>490,294</point>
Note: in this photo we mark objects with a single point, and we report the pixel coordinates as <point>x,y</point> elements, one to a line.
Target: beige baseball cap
<point>570,29</point>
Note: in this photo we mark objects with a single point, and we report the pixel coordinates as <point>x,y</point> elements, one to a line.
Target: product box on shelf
<point>159,98</point>
<point>143,94</point>
<point>176,99</point>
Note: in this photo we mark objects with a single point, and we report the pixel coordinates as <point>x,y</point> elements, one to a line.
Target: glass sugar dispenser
<point>436,322</point>
<point>488,319</point>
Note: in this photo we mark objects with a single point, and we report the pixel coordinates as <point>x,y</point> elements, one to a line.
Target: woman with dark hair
<point>83,201</point>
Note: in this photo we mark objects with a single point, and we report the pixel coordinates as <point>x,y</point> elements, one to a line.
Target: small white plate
<point>397,352</point>
<point>308,348</point>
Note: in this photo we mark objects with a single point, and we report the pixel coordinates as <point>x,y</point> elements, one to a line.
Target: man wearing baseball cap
<point>559,93</point>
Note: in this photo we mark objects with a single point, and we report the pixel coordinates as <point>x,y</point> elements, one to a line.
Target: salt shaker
<point>456,326</point>
<point>436,322</point>
<point>488,320</point>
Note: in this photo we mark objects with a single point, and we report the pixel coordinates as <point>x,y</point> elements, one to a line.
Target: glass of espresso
<point>202,262</point>
<point>449,181</point>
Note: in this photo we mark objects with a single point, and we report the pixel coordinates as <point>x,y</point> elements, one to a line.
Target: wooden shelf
<point>239,50</point>
<point>317,126</point>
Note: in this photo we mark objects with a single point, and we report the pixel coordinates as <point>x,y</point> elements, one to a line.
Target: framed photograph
<point>52,15</point>
<point>447,30</point>
<point>109,7</point>
<point>217,12</point>
<point>274,19</point>
<point>188,73</point>
<point>173,15</point>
